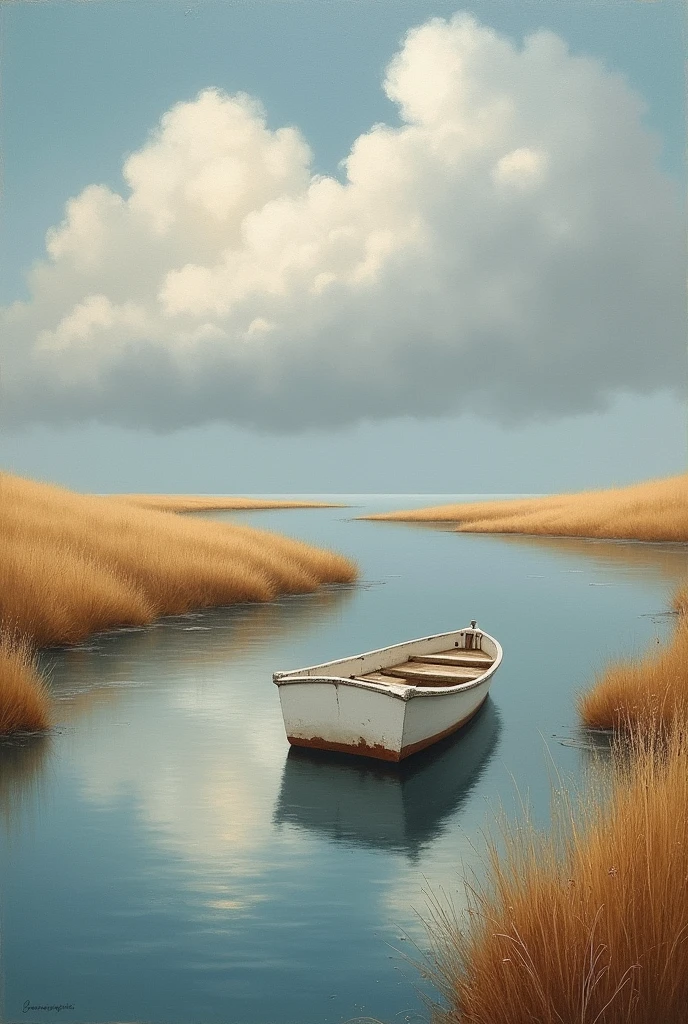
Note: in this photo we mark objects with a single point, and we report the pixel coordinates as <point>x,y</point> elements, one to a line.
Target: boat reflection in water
<point>387,806</point>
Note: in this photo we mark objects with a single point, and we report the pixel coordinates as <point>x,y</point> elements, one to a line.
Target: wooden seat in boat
<point>447,668</point>
<point>419,673</point>
<point>377,677</point>
<point>470,659</point>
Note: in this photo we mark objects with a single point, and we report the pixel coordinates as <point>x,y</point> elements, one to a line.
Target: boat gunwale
<point>404,691</point>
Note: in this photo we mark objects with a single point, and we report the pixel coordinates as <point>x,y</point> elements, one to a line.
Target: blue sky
<point>83,86</point>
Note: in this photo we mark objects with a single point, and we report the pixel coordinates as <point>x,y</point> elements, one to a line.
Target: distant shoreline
<point>214,503</point>
<point>653,511</point>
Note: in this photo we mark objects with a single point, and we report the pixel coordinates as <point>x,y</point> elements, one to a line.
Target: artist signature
<point>28,1007</point>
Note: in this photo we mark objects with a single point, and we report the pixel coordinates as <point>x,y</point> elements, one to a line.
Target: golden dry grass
<point>588,924</point>
<point>24,701</point>
<point>656,510</point>
<point>214,503</point>
<point>680,601</point>
<point>649,693</point>
<point>72,565</point>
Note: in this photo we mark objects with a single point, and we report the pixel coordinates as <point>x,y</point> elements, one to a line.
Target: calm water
<point>164,858</point>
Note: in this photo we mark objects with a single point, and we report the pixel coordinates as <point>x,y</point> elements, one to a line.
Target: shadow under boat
<point>398,807</point>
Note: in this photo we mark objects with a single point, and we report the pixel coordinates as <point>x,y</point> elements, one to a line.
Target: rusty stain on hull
<point>377,750</point>
<point>364,749</point>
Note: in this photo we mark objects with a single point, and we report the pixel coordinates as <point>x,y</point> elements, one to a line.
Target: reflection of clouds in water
<point>186,724</point>
<point>663,562</point>
<point>447,865</point>
<point>264,745</point>
<point>205,755</point>
<point>667,563</point>
<point>85,677</point>
<point>202,790</point>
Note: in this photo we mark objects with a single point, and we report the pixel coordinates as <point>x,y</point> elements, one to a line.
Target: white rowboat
<point>392,702</point>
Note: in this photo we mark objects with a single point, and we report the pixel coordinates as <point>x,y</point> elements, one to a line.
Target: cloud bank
<point>511,248</point>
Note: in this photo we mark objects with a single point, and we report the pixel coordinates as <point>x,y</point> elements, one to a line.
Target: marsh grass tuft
<point>586,923</point>
<point>647,693</point>
<point>650,692</point>
<point>24,699</point>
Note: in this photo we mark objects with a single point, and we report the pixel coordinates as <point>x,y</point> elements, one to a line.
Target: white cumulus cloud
<point>511,246</point>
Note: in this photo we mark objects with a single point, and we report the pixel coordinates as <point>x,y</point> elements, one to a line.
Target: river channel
<point>164,858</point>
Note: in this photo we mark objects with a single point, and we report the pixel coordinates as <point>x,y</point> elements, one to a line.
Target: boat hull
<point>331,715</point>
<point>343,712</point>
<point>371,740</point>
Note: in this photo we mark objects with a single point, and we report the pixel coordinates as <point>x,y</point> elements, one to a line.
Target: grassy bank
<point>653,511</point>
<point>649,693</point>
<point>586,924</point>
<point>72,565</point>
<point>213,503</point>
